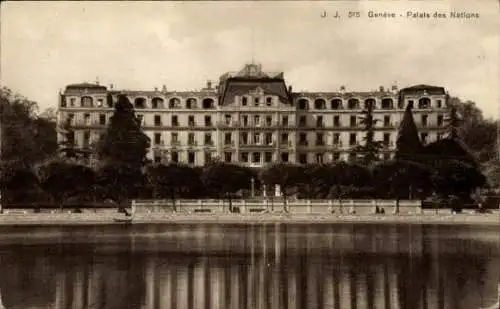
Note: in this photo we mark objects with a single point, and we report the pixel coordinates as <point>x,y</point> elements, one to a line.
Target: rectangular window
<point>256,120</point>
<point>245,120</point>
<point>244,138</point>
<point>86,118</point>
<point>174,138</point>
<point>227,119</point>
<point>424,119</point>
<point>387,121</point>
<point>302,121</point>
<point>336,138</point>
<point>256,139</point>
<point>140,118</point>
<point>284,138</point>
<point>302,139</point>
<point>268,157</point>
<point>175,157</point>
<point>244,101</point>
<point>353,121</point>
<point>336,156</point>
<point>336,121</point>
<point>302,158</point>
<point>208,157</point>
<point>284,121</point>
<point>256,157</point>
<point>157,138</point>
<point>269,121</point>
<point>228,156</point>
<point>208,121</point>
<point>191,140</point>
<point>72,102</point>
<point>158,120</point>
<point>387,139</point>
<point>269,101</point>
<point>256,101</point>
<point>191,157</point>
<point>269,138</point>
<point>244,157</point>
<point>440,120</point>
<point>100,102</point>
<point>208,139</point>
<point>320,139</point>
<point>352,139</point>
<point>175,121</point>
<point>227,138</point>
<point>191,120</point>
<point>285,157</point>
<point>102,119</point>
<point>319,158</point>
<point>319,122</point>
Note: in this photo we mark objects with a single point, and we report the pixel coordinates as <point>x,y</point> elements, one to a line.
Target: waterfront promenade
<point>107,217</point>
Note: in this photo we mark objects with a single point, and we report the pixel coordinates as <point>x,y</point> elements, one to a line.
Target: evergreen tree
<point>408,145</point>
<point>122,151</point>
<point>124,142</point>
<point>371,148</point>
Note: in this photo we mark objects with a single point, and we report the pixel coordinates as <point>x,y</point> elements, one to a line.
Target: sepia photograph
<point>250,154</point>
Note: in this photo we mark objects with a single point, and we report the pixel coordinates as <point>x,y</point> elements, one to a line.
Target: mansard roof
<point>423,90</point>
<point>242,86</point>
<point>181,94</point>
<point>86,86</point>
<point>345,95</point>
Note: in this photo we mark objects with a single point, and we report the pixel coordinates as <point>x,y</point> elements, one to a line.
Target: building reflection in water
<point>261,267</point>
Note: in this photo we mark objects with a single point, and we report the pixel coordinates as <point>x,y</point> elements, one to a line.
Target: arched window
<point>303,104</point>
<point>336,104</point>
<point>140,103</point>
<point>353,104</point>
<point>174,103</point>
<point>208,103</point>
<point>387,103</point>
<point>424,103</point>
<point>157,103</point>
<point>86,102</point>
<point>319,104</point>
<point>191,103</point>
<point>370,103</point>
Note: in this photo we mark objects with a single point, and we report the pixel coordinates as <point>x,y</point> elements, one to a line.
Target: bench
<point>202,210</point>
<point>256,210</point>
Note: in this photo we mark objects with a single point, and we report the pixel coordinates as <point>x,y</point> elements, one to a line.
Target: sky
<point>143,45</point>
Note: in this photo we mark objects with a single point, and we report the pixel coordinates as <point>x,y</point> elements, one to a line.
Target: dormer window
<point>269,101</point>
<point>244,101</point>
<point>256,101</point>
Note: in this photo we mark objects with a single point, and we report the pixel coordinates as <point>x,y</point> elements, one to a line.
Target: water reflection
<point>260,266</point>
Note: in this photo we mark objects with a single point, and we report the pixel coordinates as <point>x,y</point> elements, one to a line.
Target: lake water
<point>249,266</point>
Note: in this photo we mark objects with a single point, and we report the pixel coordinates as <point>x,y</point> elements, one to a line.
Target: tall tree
<point>123,141</point>
<point>67,146</point>
<point>26,137</point>
<point>371,148</point>
<point>122,150</point>
<point>408,145</point>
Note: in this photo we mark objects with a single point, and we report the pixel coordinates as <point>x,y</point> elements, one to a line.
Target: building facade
<point>252,117</point>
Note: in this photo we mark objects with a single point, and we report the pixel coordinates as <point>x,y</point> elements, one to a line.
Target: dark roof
<point>86,85</point>
<point>237,87</point>
<point>333,95</point>
<point>421,89</point>
<point>182,94</point>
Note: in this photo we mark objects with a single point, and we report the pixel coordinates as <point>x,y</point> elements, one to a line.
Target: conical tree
<point>371,148</point>
<point>123,141</point>
<point>122,151</point>
<point>408,145</point>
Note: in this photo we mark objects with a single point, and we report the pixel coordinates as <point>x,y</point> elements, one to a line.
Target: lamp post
<point>252,188</point>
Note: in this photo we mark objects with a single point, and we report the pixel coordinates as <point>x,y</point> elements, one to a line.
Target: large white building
<point>252,117</point>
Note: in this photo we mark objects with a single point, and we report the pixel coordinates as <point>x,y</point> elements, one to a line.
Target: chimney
<point>381,88</point>
<point>156,89</point>
<point>209,84</point>
<point>164,88</point>
<point>111,87</point>
<point>342,89</point>
<point>394,87</point>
